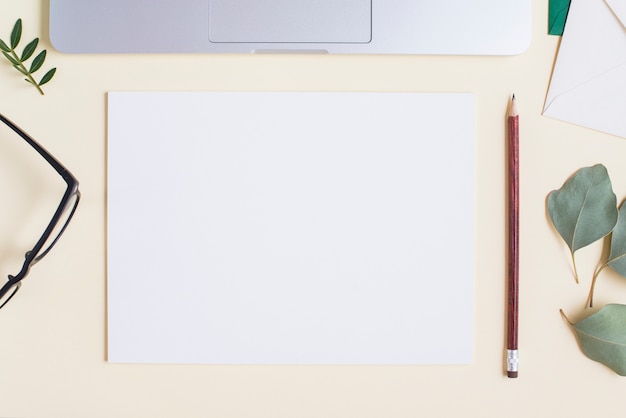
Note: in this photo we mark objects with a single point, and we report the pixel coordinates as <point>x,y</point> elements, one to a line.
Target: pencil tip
<point>513,106</point>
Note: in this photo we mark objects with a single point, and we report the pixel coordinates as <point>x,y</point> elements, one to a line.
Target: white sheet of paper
<point>290,228</point>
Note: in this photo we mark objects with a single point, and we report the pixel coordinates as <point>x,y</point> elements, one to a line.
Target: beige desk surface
<point>53,335</point>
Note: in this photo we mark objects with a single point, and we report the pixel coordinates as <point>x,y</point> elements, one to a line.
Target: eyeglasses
<point>56,227</point>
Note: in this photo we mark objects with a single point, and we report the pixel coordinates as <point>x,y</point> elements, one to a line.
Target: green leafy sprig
<point>583,211</point>
<point>18,61</point>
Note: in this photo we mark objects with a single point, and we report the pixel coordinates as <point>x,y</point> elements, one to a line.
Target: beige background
<point>53,335</point>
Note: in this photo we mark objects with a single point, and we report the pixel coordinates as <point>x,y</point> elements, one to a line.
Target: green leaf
<point>47,77</point>
<point>4,46</point>
<point>584,209</point>
<point>602,337</point>
<point>20,69</point>
<point>29,49</point>
<point>617,256</point>
<point>38,61</point>
<point>16,33</point>
<point>10,58</point>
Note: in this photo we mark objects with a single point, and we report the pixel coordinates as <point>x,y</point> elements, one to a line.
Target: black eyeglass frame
<point>38,252</point>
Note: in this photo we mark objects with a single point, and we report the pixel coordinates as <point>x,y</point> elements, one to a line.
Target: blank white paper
<point>290,228</point>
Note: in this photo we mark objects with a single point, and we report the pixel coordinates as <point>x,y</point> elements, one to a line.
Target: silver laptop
<point>451,27</point>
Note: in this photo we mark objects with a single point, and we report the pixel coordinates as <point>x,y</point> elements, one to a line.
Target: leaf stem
<point>565,317</point>
<point>593,283</point>
<point>575,269</point>
<point>27,73</point>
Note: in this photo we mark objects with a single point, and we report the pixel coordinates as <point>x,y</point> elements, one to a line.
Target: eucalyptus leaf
<point>602,337</point>
<point>584,209</point>
<point>617,256</point>
<point>16,34</point>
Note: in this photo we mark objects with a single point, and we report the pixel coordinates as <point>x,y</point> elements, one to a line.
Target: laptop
<point>450,27</point>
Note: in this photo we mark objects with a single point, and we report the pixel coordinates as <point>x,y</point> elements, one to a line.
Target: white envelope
<point>588,86</point>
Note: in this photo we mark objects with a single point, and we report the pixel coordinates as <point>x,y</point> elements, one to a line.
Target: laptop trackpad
<point>290,21</point>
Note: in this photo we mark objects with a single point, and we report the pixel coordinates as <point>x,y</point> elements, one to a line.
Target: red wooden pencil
<point>513,276</point>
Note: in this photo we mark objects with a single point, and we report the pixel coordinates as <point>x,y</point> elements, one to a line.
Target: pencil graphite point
<point>513,107</point>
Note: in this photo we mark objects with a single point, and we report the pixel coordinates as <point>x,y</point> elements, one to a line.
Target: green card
<point>557,15</point>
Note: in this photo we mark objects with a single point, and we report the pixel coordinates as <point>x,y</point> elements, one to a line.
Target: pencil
<point>513,276</point>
